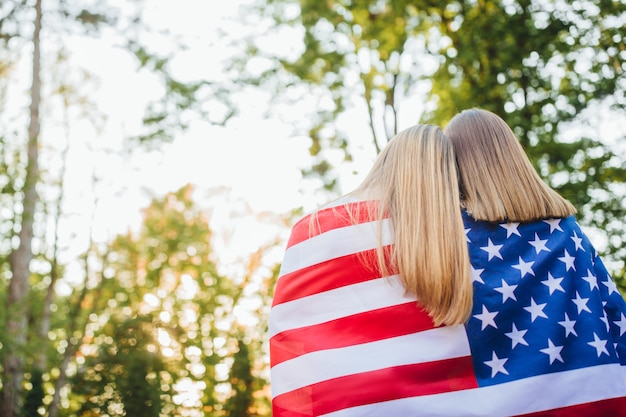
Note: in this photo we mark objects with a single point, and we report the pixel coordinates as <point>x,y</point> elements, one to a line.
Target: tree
<point>27,349</point>
<point>166,309</point>
<point>125,376</point>
<point>242,383</point>
<point>545,67</point>
<point>19,316</point>
<point>17,308</point>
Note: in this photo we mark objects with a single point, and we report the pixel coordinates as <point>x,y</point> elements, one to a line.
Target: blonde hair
<point>415,180</point>
<point>498,181</point>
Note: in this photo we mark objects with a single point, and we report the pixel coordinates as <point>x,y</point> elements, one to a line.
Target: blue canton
<point>543,301</point>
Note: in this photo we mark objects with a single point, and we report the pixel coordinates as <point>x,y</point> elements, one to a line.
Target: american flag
<point>546,336</point>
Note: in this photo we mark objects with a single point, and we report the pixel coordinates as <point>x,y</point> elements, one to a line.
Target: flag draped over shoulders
<point>546,336</point>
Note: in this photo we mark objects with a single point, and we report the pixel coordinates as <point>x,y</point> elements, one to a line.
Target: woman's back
<point>548,322</point>
<point>345,340</point>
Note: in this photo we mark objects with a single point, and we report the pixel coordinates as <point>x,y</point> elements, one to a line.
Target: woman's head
<point>415,158</point>
<point>415,179</point>
<point>498,181</point>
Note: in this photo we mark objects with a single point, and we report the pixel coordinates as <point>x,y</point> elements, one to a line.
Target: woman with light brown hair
<point>366,284</point>
<point>548,326</point>
<point>498,181</point>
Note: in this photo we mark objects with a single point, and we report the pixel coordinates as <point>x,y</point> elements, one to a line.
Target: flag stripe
<point>356,329</point>
<point>430,345</point>
<point>391,383</point>
<point>338,272</point>
<point>334,217</point>
<point>345,301</point>
<point>561,391</point>
<point>335,243</point>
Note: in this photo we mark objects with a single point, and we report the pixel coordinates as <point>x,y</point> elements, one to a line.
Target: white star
<point>577,241</point>
<point>568,260</point>
<point>554,284</point>
<point>476,275</point>
<point>517,336</point>
<point>610,284</point>
<point>511,229</point>
<point>539,244</point>
<point>599,344</point>
<point>553,351</point>
<point>493,250</point>
<point>592,280</point>
<point>487,318</point>
<point>581,303</point>
<point>466,236</point>
<point>569,326</point>
<point>621,324</point>
<point>497,365</point>
<point>535,310</point>
<point>525,267</point>
<point>507,291</point>
<point>554,225</point>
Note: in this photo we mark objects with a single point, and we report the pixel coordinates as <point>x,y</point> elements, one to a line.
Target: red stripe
<point>377,386</point>
<point>360,328</point>
<point>332,274</point>
<point>614,407</point>
<point>331,218</point>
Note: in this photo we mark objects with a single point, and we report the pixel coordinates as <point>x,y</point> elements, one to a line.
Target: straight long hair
<point>498,181</point>
<point>415,181</point>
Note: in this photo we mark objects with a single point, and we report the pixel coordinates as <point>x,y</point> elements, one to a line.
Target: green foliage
<point>124,378</point>
<point>148,313</point>
<point>182,100</point>
<point>34,397</point>
<point>154,318</point>
<point>166,321</point>
<point>9,11</point>
<point>171,113</point>
<point>241,382</point>
<point>90,18</point>
<point>11,168</point>
<point>357,51</point>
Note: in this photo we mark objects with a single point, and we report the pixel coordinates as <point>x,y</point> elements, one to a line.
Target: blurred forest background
<point>165,314</point>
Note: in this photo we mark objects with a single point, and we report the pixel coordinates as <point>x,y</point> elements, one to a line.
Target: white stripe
<point>529,395</point>
<point>340,302</point>
<point>335,243</point>
<point>427,346</point>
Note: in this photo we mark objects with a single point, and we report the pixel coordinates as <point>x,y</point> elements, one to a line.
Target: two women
<point>395,301</point>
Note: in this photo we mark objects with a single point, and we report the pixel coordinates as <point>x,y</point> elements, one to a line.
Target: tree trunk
<point>17,309</point>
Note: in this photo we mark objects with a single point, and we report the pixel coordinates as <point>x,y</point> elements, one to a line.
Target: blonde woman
<point>368,313</point>
<point>548,327</point>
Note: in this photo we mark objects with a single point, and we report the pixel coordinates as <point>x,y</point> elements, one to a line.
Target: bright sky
<point>256,159</point>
